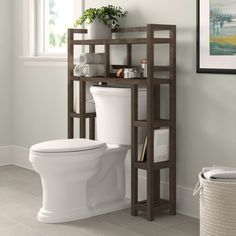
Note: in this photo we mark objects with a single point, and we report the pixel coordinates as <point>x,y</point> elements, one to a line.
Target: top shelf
<point>121,41</point>
<point>142,40</point>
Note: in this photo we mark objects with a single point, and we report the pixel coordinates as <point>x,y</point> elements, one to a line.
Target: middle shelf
<point>129,81</point>
<point>138,123</point>
<point>156,123</point>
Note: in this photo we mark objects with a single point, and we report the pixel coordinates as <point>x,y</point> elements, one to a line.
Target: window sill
<point>44,61</point>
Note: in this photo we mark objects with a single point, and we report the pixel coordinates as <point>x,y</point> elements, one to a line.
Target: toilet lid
<point>67,145</point>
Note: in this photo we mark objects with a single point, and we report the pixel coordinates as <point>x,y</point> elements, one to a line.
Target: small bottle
<point>144,68</point>
<point>135,73</point>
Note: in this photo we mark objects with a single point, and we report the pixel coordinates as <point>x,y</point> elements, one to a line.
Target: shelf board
<point>130,29</point>
<point>121,41</point>
<point>157,123</point>
<point>86,115</point>
<point>156,68</point>
<point>158,205</point>
<point>157,165</point>
<point>156,27</point>
<point>138,81</point>
<point>111,80</point>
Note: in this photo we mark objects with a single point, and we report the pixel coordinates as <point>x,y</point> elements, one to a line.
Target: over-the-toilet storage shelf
<point>153,84</point>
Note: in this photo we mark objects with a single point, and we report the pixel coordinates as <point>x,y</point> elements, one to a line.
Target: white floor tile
<point>190,227</point>
<point>20,200</point>
<point>18,230</point>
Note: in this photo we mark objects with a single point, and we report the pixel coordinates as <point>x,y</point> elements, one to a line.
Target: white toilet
<point>81,177</point>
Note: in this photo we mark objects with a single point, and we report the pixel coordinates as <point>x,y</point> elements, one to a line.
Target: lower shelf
<point>158,205</point>
<point>157,123</point>
<point>85,115</point>
<point>157,165</point>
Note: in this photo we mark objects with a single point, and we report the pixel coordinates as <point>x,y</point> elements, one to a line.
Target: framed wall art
<point>216,36</point>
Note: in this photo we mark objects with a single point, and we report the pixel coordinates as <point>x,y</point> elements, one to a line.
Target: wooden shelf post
<point>134,149</point>
<point>70,84</point>
<point>172,112</point>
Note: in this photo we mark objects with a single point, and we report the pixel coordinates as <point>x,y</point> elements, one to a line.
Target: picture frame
<point>216,40</point>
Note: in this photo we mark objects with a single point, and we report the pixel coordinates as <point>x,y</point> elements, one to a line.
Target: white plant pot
<point>97,30</point>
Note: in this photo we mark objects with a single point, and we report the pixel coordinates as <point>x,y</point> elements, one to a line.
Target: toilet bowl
<point>81,177</point>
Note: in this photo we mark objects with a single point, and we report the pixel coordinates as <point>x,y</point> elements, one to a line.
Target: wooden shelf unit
<point>153,121</point>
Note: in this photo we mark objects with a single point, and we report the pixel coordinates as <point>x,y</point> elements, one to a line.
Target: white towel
<point>92,58</point>
<point>78,70</point>
<point>90,70</point>
<point>90,106</point>
<point>161,145</point>
<point>219,173</point>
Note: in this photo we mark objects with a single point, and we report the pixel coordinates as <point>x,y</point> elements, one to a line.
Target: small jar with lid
<point>130,73</point>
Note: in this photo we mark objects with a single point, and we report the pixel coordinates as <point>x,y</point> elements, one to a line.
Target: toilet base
<point>60,217</point>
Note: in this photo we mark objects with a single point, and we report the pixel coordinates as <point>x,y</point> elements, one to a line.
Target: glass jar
<point>130,73</point>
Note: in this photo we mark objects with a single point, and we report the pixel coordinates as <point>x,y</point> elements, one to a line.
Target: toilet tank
<point>113,108</point>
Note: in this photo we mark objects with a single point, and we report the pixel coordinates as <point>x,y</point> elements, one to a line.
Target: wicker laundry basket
<point>217,207</point>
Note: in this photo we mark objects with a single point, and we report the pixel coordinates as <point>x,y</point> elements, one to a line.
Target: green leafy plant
<point>108,15</point>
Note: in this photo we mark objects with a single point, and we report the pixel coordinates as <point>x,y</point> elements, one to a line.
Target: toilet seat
<point>67,146</point>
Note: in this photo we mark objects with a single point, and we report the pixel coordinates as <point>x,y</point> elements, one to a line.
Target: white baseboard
<point>20,157</point>
<point>5,155</point>
<point>186,203</point>
<point>15,155</point>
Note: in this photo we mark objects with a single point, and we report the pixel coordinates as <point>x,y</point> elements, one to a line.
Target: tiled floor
<point>20,199</point>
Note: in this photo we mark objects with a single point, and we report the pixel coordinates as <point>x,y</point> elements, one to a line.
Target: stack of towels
<point>90,64</point>
<point>218,173</point>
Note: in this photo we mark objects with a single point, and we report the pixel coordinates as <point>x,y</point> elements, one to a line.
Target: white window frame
<point>32,40</point>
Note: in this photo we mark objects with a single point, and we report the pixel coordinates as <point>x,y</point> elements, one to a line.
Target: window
<point>54,17</point>
<point>45,25</point>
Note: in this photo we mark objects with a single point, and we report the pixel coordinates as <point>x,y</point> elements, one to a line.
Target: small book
<point>143,156</point>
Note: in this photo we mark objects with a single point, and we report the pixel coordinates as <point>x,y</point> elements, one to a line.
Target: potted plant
<point>101,20</point>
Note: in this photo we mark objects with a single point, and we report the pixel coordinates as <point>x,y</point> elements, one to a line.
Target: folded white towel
<point>78,70</point>
<point>90,106</point>
<point>90,70</point>
<point>219,173</point>
<point>161,145</point>
<point>205,169</point>
<point>92,58</point>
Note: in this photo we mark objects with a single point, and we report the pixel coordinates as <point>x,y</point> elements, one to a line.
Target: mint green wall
<point>5,71</point>
<point>39,94</point>
<point>206,111</point>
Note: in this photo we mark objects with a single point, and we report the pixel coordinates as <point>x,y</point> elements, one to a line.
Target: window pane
<point>59,15</point>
